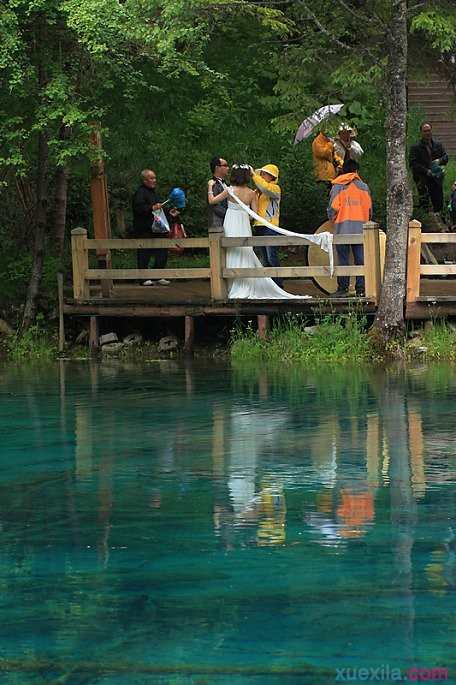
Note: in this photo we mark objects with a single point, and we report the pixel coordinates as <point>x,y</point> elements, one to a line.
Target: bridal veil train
<point>237,224</point>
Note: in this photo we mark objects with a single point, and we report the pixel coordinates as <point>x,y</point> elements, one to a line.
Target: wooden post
<point>80,263</point>
<point>413,261</point>
<point>94,334</point>
<point>372,265</point>
<point>217,262</point>
<point>100,208</point>
<point>263,326</point>
<point>189,334</point>
<point>61,320</point>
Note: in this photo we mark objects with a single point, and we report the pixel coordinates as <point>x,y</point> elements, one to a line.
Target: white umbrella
<point>309,124</point>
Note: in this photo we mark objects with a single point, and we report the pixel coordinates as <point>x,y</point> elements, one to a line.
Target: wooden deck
<point>193,298</point>
<point>196,292</point>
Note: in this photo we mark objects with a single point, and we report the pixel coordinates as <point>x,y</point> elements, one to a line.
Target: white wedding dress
<point>236,224</point>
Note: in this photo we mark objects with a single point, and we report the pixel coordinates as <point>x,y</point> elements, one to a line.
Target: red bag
<point>177,231</point>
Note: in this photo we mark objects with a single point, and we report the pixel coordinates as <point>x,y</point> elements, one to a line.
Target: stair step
<point>436,97</point>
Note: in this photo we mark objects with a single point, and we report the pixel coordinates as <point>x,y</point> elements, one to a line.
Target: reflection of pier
<point>249,489</point>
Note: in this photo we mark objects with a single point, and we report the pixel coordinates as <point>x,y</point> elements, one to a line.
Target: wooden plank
<point>263,326</point>
<point>234,308</point>
<point>100,208</point>
<point>423,311</point>
<point>281,241</point>
<point>413,261</point>
<point>438,237</point>
<point>61,319</point>
<point>99,193</point>
<point>217,256</point>
<point>293,271</point>
<point>144,274</point>
<point>189,334</point>
<point>80,263</point>
<point>101,308</point>
<point>349,239</point>
<point>147,243</point>
<point>94,334</point>
<point>434,299</point>
<point>372,260</point>
<point>438,269</point>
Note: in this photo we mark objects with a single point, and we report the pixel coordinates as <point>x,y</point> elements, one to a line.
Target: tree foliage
<point>174,82</point>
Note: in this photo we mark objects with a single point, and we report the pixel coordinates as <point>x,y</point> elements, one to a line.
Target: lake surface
<point>174,524</point>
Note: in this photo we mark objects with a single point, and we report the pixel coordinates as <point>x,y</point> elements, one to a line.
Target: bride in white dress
<point>236,224</point>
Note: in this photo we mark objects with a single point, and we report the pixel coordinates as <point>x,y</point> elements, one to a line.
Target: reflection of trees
<point>393,411</point>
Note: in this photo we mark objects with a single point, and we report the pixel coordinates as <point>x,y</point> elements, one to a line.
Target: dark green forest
<point>171,83</point>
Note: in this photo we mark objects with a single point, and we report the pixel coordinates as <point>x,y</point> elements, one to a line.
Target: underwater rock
<point>108,338</point>
<point>168,344</point>
<point>113,348</point>
<point>5,328</point>
<point>133,339</point>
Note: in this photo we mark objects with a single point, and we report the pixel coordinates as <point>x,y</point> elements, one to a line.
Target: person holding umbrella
<point>345,147</point>
<point>325,159</point>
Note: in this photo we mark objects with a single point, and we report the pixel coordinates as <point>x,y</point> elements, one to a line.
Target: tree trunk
<point>61,194</point>
<point>40,230</point>
<point>121,223</point>
<point>41,199</point>
<point>389,322</point>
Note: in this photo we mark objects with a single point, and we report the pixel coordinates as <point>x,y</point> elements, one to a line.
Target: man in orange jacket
<point>350,206</point>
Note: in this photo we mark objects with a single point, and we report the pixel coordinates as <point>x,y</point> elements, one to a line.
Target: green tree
<point>362,50</point>
<point>64,64</point>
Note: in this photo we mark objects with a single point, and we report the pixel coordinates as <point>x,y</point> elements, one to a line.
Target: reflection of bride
<point>236,224</point>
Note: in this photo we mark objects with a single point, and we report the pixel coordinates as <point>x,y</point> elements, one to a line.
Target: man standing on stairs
<point>427,157</point>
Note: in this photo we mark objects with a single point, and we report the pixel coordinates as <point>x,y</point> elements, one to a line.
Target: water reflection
<point>185,506</point>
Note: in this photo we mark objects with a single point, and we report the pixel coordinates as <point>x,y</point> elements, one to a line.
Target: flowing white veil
<point>324,240</point>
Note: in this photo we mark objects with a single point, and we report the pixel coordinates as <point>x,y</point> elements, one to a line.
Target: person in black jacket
<point>145,202</point>
<point>219,168</point>
<point>427,157</point>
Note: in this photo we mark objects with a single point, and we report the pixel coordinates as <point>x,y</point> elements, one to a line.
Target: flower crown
<point>240,166</point>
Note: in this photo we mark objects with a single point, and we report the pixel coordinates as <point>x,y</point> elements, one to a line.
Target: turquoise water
<point>199,524</point>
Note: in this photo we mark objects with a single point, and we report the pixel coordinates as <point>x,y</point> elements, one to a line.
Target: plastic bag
<point>177,231</point>
<point>436,170</point>
<point>160,223</point>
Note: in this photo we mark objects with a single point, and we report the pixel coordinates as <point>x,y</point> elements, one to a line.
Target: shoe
<point>149,282</point>
<point>340,293</point>
<point>163,281</point>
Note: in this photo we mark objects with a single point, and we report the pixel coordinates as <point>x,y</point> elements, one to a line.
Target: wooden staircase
<point>437,99</point>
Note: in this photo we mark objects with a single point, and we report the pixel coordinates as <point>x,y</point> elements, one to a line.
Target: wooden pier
<point>196,292</point>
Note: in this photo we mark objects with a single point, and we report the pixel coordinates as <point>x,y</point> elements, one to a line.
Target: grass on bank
<point>334,338</point>
<point>37,343</point>
<point>337,339</point>
<point>440,342</point>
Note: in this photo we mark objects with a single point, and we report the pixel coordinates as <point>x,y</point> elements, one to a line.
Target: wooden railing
<point>217,272</point>
<point>416,239</point>
<point>82,274</point>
